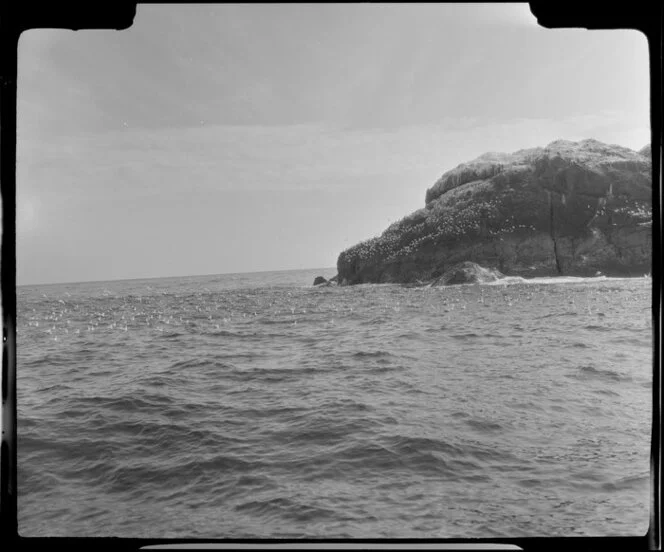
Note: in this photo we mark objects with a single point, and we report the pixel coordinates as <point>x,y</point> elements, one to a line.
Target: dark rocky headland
<point>570,208</point>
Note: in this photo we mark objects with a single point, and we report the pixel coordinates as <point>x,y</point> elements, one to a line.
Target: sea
<point>259,406</point>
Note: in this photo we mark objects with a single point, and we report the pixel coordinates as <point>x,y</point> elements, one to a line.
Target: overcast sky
<point>232,138</point>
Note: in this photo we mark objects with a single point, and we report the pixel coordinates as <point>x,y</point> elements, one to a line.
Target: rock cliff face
<point>571,208</point>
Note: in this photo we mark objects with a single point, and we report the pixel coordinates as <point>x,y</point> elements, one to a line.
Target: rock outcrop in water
<point>572,208</point>
<point>467,273</point>
<point>320,281</point>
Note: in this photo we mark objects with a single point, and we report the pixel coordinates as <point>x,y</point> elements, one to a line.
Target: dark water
<point>258,406</point>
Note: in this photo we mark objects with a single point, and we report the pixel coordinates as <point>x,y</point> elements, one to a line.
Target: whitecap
<point>511,280</point>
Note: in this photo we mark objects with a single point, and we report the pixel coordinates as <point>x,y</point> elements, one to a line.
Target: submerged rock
<point>468,273</point>
<point>322,282</point>
<point>571,208</point>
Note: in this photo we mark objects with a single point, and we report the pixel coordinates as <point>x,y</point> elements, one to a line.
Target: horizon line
<point>173,276</point>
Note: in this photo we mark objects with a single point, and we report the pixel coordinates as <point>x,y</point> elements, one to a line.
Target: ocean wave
<point>512,280</point>
<point>47,360</point>
<point>627,482</point>
<point>43,480</point>
<point>249,335</point>
<point>608,392</point>
<point>201,363</point>
<point>590,372</point>
<point>557,315</point>
<point>166,335</point>
<point>121,404</point>
<point>273,321</point>
<point>141,476</point>
<point>411,335</point>
<point>507,281</point>
<point>285,508</point>
<point>324,430</point>
<point>252,412</point>
<point>484,426</point>
<point>392,457</point>
<point>375,321</point>
<point>580,345</point>
<point>596,328</point>
<point>373,354</point>
<point>271,374</point>
<point>74,453</point>
<point>405,445</point>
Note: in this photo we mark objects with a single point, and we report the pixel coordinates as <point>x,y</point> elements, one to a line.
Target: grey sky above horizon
<point>224,138</point>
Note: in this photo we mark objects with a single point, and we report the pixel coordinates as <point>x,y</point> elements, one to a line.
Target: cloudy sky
<point>209,139</point>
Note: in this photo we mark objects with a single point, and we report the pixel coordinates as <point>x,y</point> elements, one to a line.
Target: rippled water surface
<point>255,405</point>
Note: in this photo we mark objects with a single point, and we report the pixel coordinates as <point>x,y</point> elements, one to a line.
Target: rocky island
<point>570,208</point>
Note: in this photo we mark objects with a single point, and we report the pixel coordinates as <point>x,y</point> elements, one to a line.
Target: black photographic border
<point>16,17</point>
